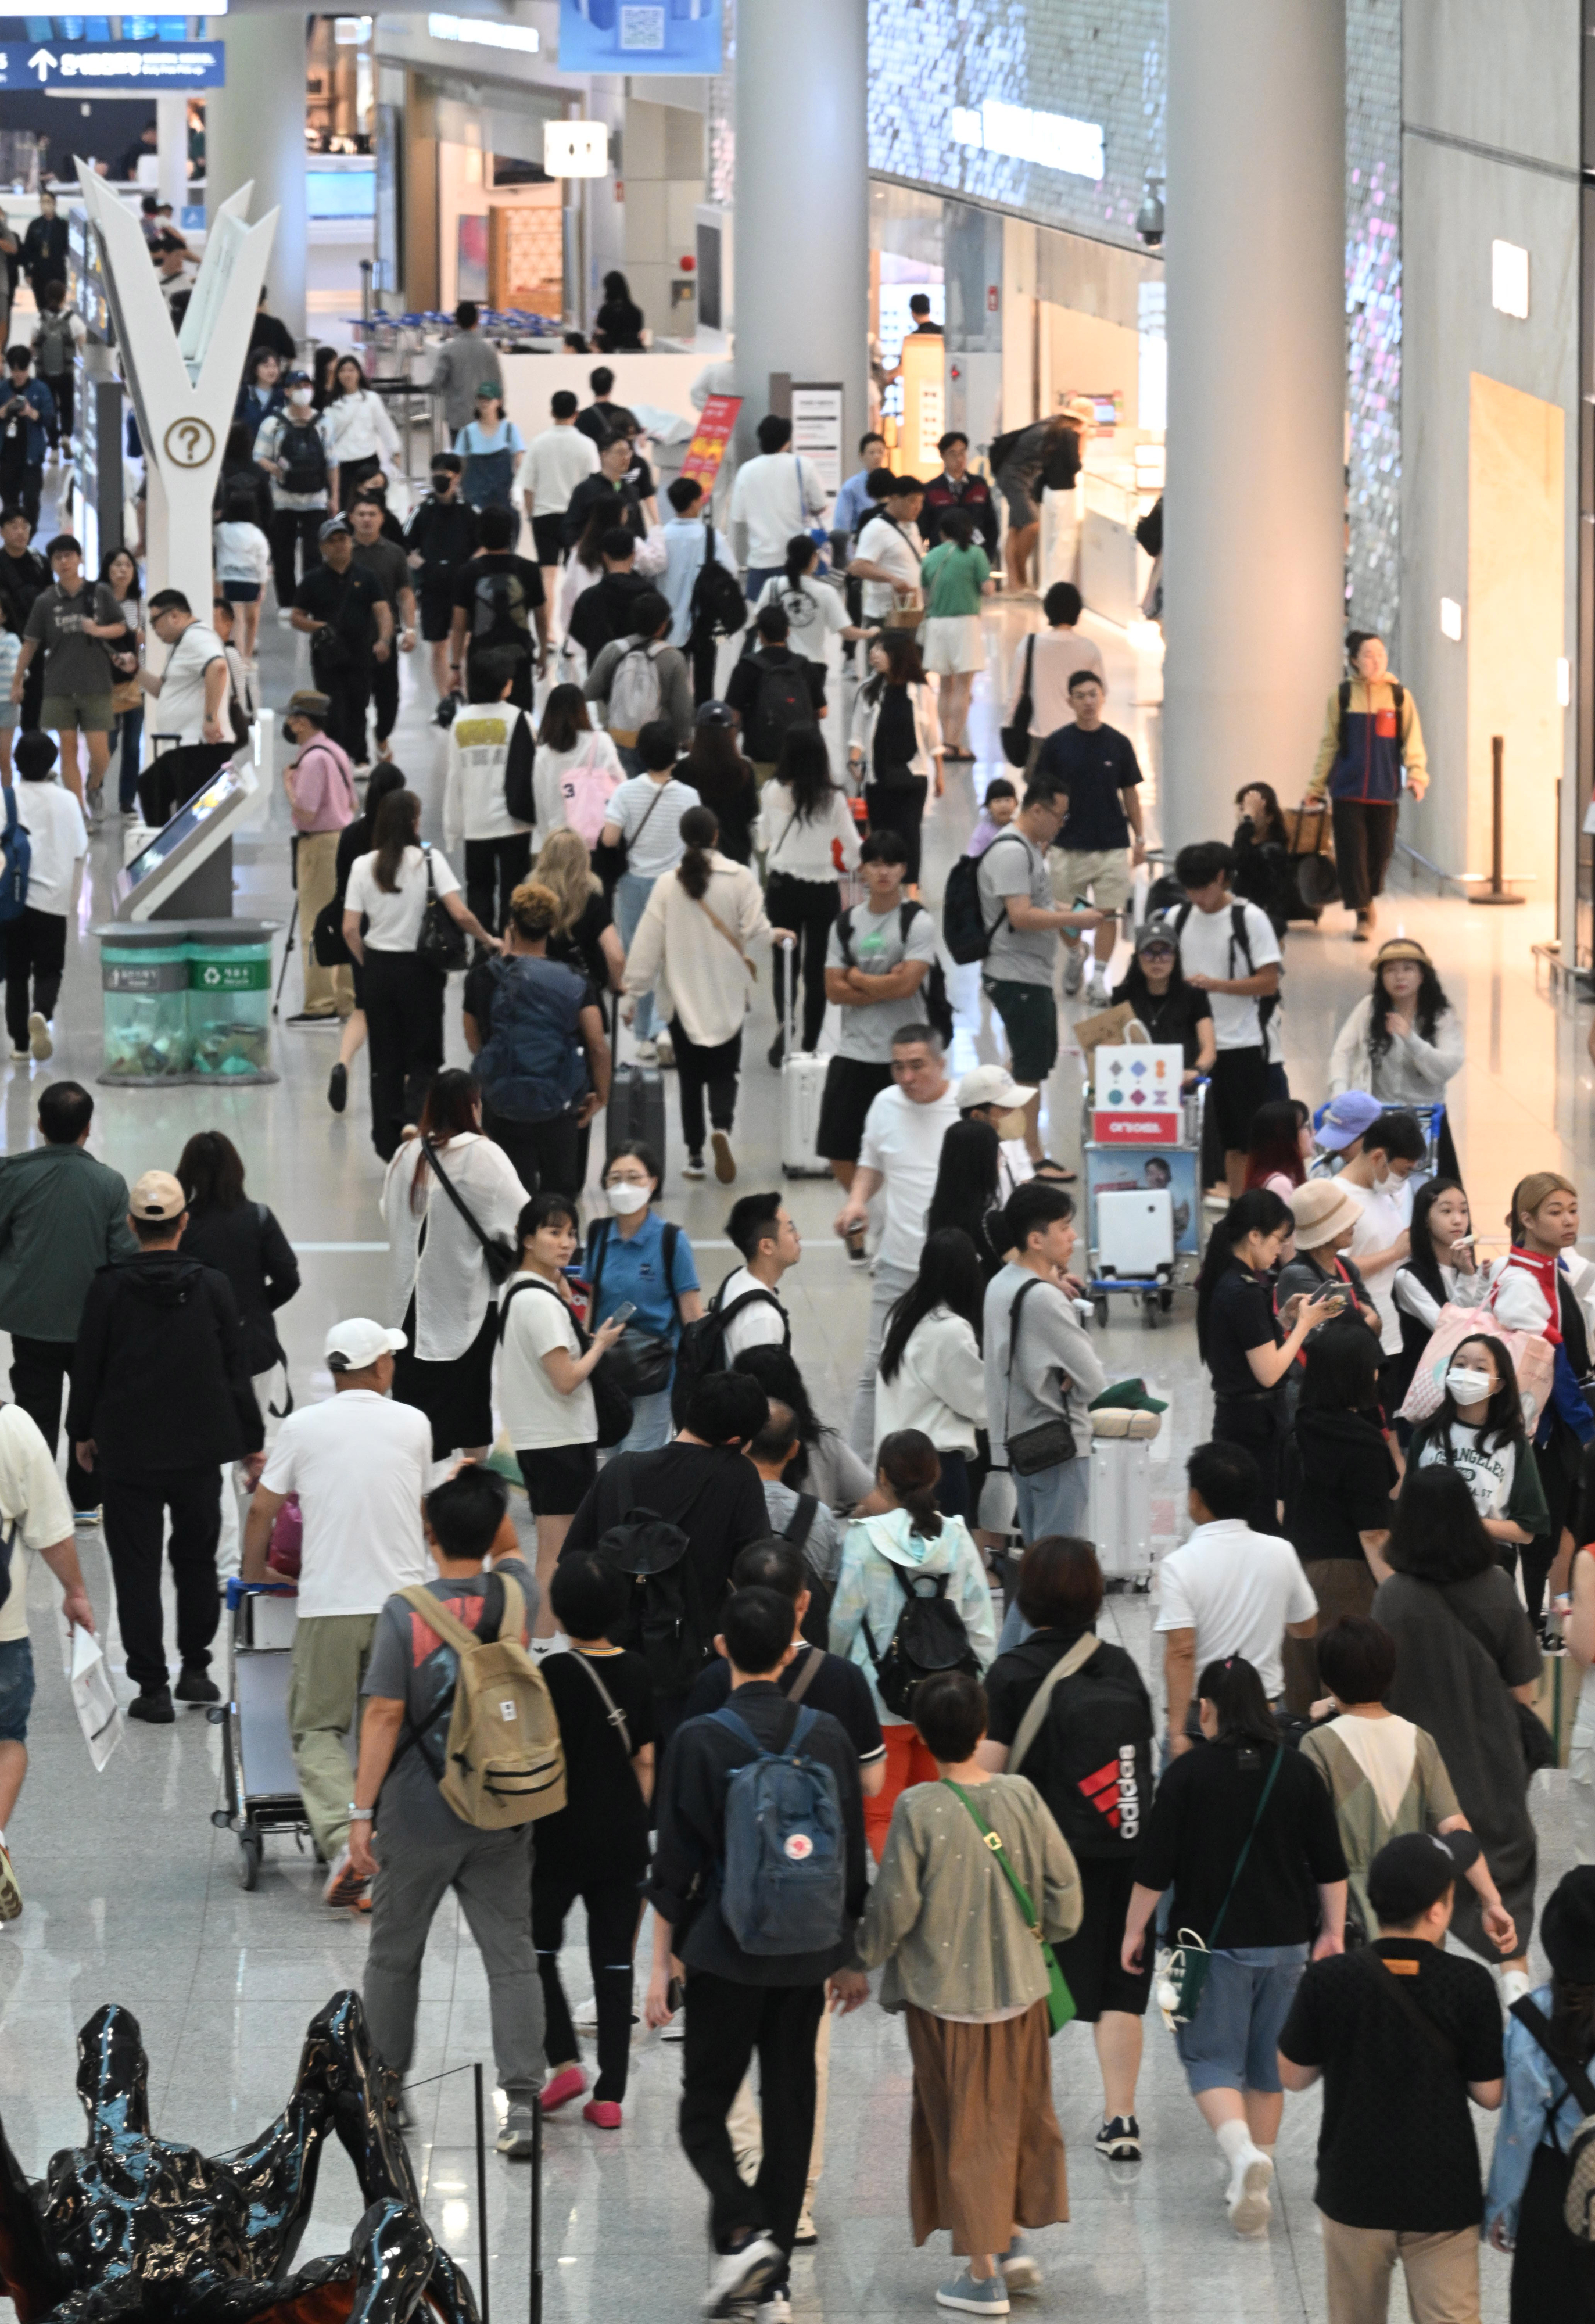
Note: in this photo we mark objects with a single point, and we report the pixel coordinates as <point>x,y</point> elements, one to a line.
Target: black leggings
<point>405,1027</point>
<point>716,1070</point>
<point>613,1909</point>
<point>1259,1423</point>
<point>494,869</point>
<point>809,907</point>
<point>294,529</point>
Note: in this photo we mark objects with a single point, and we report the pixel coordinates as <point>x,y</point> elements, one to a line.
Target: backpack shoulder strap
<point>1534,2021</point>
<point>1078,1656</point>
<point>1239,937</point>
<point>1344,699</point>
<point>671,1244</point>
<point>436,1616</point>
<point>614,1716</point>
<point>1411,2007</point>
<point>597,1244</point>
<point>800,1524</point>
<point>735,1724</point>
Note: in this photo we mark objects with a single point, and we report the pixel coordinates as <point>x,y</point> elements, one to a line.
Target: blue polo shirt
<point>635,1270</point>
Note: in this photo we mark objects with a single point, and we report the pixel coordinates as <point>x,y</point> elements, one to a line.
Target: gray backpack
<point>783,1885</point>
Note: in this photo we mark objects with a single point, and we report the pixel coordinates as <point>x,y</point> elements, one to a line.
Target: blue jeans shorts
<point>16,1689</point>
<point>1232,2041</point>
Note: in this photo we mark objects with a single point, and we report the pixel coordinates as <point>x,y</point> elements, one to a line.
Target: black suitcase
<point>636,1109</point>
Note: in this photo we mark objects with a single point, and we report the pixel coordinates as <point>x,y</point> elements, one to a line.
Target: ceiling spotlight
<point>1148,218</point>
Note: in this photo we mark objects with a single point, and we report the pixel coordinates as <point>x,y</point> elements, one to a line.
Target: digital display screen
<point>183,825</point>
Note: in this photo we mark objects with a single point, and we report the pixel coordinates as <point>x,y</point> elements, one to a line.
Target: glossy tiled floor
<point>132,1895</point>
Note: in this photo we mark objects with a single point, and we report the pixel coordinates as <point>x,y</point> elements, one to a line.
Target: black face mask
<point>441,480</point>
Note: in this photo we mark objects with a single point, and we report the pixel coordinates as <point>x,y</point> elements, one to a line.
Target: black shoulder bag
<point>1050,1443</point>
<point>500,1258</point>
<point>442,943</point>
<point>1015,739</point>
<point>641,1362</point>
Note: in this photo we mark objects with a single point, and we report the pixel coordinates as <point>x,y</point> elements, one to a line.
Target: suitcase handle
<point>789,946</point>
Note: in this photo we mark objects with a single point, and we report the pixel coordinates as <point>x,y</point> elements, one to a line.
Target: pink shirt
<point>321,787</point>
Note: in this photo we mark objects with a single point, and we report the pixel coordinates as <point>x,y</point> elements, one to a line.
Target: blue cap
<point>1345,1117</point>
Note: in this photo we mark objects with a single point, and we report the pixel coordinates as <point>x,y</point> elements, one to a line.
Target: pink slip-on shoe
<point>603,2114</point>
<point>559,2090</point>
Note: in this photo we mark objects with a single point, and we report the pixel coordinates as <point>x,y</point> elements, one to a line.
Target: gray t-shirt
<point>74,664</point>
<point>1012,866</point>
<point>389,567</point>
<point>412,1664</point>
<point>876,944</point>
<point>822,1544</point>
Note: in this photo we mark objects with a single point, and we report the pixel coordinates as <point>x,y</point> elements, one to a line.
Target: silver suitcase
<point>803,1086</point>
<point>1122,1509</point>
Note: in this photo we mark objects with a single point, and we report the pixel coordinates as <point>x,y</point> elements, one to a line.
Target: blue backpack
<point>16,859</point>
<point>532,1067</point>
<point>783,1885</point>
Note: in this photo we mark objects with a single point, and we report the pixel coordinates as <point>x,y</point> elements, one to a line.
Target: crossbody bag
<point>442,943</point>
<point>1050,1443</point>
<point>1015,737</point>
<point>500,1258</point>
<point>1183,1979</point>
<point>1060,2001</point>
<point>613,1715</point>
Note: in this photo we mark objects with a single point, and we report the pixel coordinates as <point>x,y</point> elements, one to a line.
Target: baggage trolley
<point>1144,1215</point>
<point>257,1764</point>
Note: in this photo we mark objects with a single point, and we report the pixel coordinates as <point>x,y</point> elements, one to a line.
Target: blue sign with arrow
<point>113,66</point>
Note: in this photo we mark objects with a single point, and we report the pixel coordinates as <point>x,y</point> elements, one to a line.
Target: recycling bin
<point>229,1001</point>
<point>145,981</point>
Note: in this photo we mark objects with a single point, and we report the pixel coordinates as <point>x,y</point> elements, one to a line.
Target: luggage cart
<point>257,1764</point>
<point>1144,1214</point>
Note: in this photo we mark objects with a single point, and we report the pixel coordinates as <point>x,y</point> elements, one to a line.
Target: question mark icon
<point>190,443</point>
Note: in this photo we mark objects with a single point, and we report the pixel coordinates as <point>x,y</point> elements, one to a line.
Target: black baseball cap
<point>1413,1871</point>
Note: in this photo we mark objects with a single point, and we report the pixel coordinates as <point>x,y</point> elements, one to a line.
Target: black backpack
<point>499,613</point>
<point>718,608</point>
<point>929,1636</point>
<point>1238,943</point>
<point>965,929</point>
<point>303,455</point>
<point>650,1550</point>
<point>938,1009</point>
<point>699,1348</point>
<point>1343,741</point>
<point>1001,449</point>
<point>1099,1757</point>
<point>782,706</point>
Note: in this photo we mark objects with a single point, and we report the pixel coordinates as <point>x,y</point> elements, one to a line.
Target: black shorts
<point>1239,1084</point>
<point>557,1476</point>
<point>1090,1959</point>
<point>437,612</point>
<point>851,1087</point>
<point>548,533</point>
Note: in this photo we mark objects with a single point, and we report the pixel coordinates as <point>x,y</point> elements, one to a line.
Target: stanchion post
<point>535,2301</point>
<point>1497,891</point>
<point>482,2292</point>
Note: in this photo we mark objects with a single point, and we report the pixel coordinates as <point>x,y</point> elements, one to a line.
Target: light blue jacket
<point>868,1589</point>
<point>684,561</point>
<point>1533,2084</point>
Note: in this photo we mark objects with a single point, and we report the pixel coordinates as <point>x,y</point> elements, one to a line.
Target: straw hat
<point>1321,1210</point>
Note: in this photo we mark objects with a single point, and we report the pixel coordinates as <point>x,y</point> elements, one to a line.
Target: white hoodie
<point>874,1552</point>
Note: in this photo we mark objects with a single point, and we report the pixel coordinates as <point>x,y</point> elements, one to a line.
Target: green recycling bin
<point>229,994</point>
<point>145,979</point>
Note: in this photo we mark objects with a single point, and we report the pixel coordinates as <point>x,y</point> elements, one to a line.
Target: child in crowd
<point>1002,805</point>
<point>242,561</point>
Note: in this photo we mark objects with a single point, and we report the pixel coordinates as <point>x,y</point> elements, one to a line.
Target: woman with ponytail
<point>815,611</point>
<point>908,1550</point>
<point>697,936</point>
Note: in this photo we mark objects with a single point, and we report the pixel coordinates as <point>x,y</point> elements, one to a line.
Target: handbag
<point>1532,1360</point>
<point>126,695</point>
<point>1050,1443</point>
<point>499,1259</point>
<point>611,1406</point>
<point>641,1362</point>
<point>442,943</point>
<point>1015,738</point>
<point>1060,2001</point>
<point>1182,1979</point>
<point>327,937</point>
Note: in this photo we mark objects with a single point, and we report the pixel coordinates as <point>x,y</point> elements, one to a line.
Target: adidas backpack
<point>504,1762</point>
<point>1099,1753</point>
<point>783,1881</point>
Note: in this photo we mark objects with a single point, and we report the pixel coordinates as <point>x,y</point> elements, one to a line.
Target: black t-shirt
<point>1094,768</point>
<point>838,1686</point>
<point>1338,1476</point>
<point>1242,1317</point>
<point>482,984</point>
<point>443,534</point>
<point>22,579</point>
<point>1396,2144</point>
<point>1176,1015</point>
<point>582,949</point>
<point>1013,1678</point>
<point>347,602</point>
<point>604,1815</point>
<point>390,568</point>
<point>500,593</point>
<point>1197,1829</point>
<point>603,419</point>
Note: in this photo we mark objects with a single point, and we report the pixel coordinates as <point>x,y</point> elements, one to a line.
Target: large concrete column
<point>1254,522</point>
<point>255,128</point>
<point>801,253</point>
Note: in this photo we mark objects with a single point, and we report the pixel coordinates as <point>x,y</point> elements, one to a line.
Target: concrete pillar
<point>801,268</point>
<point>1254,524</point>
<point>255,128</point>
<point>172,152</point>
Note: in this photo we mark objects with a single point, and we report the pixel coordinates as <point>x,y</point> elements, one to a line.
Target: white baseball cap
<point>991,1085</point>
<point>354,1344</point>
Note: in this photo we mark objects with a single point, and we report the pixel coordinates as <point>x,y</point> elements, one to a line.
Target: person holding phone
<point>1325,1221</point>
<point>1339,1475</point>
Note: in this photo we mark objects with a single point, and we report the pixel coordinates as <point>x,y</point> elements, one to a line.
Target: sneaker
<point>315,1021</point>
<point>777,1052</point>
<point>807,2233</point>
<point>338,1087</point>
<point>1096,992</point>
<point>1018,2267</point>
<point>648,1053</point>
<point>196,1685</point>
<point>153,1705</point>
<point>40,1043</point>
<point>559,2089</point>
<point>603,2114</point>
<point>11,1896</point>
<point>1074,976</point>
<point>344,1885</point>
<point>665,1050</point>
<point>724,1160</point>
<point>676,2030</point>
<point>1119,2140</point>
<point>517,2137</point>
<point>744,2274</point>
<point>987,2299</point>
<point>693,1167</point>
<point>586,2018</point>
<point>776,2307</point>
<point>1246,2198</point>
<point>1515,1986</point>
<point>284,618</point>
<point>20,1056</point>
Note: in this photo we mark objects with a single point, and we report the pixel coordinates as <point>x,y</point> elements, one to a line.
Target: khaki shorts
<point>1102,873</point>
<point>91,714</point>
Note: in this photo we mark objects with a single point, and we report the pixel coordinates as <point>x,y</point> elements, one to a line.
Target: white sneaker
<point>743,2274</point>
<point>1073,968</point>
<point>663,1049</point>
<point>676,2030</point>
<point>776,2309</point>
<point>1515,1986</point>
<point>1246,2198</point>
<point>648,1053</point>
<point>41,1044</point>
<point>1096,992</point>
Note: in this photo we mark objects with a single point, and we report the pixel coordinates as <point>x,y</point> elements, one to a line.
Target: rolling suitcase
<point>636,1109</point>
<point>1122,1509</point>
<point>803,1085</point>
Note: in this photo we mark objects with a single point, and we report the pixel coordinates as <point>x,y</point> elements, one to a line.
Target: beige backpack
<point>503,1762</point>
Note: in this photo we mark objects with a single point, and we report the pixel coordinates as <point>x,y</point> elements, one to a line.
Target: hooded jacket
<point>876,1550</point>
<point>160,1375</point>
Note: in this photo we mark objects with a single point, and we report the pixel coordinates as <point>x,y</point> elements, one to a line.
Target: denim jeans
<point>130,726</point>
<point>652,1429</point>
<point>631,893</point>
<point>1054,1500</point>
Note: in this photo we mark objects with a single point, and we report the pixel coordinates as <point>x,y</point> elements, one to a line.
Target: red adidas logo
<point>1115,1795</point>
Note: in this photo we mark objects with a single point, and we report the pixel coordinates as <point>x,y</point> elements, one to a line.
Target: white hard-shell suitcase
<point>1122,1508</point>
<point>803,1086</point>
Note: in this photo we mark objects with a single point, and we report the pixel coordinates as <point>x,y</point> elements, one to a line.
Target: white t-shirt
<point>396,919</point>
<point>535,1416</point>
<point>760,1325</point>
<point>1208,948</point>
<point>813,611</point>
<point>58,838</point>
<point>1386,1210</point>
<point>179,707</point>
<point>1236,1590</point>
<point>33,1498</point>
<point>898,548</point>
<point>659,849</point>
<point>553,465</point>
<point>776,494</point>
<point>903,1142</point>
<point>359,1463</point>
<point>1490,1475</point>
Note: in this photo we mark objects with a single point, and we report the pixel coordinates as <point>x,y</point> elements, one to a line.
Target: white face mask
<point>298,395</point>
<point>626,1200</point>
<point>1469,1387</point>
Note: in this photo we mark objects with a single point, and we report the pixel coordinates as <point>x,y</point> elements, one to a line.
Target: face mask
<point>625,1200</point>
<point>1467,1387</point>
<point>441,480</point>
<point>298,396</point>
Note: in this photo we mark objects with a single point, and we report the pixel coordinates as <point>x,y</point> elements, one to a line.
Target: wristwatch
<point>360,1815</point>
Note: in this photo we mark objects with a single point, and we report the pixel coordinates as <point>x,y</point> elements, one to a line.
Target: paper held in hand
<point>94,1698</point>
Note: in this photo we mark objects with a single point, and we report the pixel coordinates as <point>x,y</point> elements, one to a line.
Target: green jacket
<point>62,1215</point>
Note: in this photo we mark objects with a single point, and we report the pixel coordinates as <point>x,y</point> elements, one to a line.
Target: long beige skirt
<point>985,2152</point>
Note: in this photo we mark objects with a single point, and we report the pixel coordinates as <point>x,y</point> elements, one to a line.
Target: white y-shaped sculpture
<point>183,389</point>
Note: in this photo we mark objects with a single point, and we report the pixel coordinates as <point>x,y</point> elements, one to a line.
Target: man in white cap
<point>160,1398</point>
<point>991,1093</point>
<point>360,1464</point>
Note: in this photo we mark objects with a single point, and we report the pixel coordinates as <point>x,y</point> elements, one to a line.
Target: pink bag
<point>1534,1360</point>
<point>587,787</point>
<point>287,1534</point>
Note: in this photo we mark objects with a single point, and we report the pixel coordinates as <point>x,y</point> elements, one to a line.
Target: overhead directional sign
<point>113,64</point>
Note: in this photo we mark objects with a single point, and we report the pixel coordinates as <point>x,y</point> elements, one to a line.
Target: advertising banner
<point>639,36</point>
<point>716,424</point>
<point>1136,1096</point>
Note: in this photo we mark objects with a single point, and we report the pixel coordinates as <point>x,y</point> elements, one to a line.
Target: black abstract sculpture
<point>132,2229</point>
